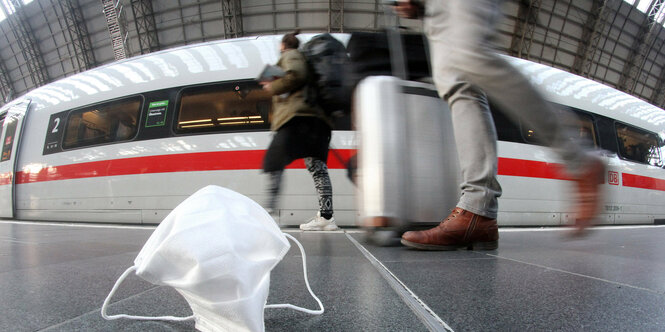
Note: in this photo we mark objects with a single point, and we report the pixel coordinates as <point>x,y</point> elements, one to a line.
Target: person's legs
<point>473,222</point>
<point>475,61</point>
<point>319,171</point>
<point>459,33</point>
<point>274,161</point>
<point>475,137</point>
<point>324,220</point>
<point>274,186</point>
<point>465,51</point>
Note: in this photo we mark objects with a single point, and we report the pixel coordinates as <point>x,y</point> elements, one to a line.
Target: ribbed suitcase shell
<point>408,170</point>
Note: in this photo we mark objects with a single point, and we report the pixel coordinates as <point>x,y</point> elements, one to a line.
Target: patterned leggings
<point>319,171</point>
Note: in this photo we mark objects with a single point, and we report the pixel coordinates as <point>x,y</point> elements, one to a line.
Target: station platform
<point>55,277</point>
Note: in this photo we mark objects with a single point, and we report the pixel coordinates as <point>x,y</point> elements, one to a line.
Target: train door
<point>642,181</point>
<point>11,132</point>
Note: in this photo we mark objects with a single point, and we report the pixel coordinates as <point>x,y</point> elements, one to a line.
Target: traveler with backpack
<point>302,131</point>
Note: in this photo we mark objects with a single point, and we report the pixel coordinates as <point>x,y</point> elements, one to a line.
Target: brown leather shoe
<point>589,194</point>
<point>462,229</point>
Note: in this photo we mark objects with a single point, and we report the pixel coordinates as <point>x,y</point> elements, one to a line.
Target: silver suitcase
<point>408,170</point>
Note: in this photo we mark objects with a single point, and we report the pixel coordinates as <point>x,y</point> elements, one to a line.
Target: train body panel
<point>140,177</point>
<point>575,91</point>
<point>144,180</point>
<point>13,126</point>
<point>545,199</point>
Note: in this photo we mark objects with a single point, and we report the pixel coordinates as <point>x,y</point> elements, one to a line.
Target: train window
<point>103,123</point>
<point>9,136</point>
<point>506,130</point>
<point>578,125</point>
<point>224,107</point>
<point>585,131</point>
<point>638,145</point>
<point>606,134</point>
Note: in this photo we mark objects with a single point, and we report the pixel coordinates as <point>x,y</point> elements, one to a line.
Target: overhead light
<point>198,125</point>
<point>240,122</point>
<point>194,121</point>
<point>239,118</point>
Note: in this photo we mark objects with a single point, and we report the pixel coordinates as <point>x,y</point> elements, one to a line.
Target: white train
<point>127,142</point>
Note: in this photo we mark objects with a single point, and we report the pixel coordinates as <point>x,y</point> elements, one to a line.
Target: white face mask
<point>216,249</point>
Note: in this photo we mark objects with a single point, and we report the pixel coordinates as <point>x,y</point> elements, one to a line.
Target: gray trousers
<point>464,64</point>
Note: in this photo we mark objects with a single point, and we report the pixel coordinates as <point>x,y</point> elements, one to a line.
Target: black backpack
<point>328,83</point>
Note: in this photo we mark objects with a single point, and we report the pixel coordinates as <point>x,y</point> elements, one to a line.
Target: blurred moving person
<point>464,68</point>
<point>302,131</point>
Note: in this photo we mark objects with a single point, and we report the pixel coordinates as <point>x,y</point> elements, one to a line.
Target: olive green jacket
<point>289,91</point>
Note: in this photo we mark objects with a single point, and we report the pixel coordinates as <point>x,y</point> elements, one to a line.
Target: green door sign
<point>157,113</point>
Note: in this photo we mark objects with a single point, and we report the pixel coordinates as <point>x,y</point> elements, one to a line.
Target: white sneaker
<point>319,223</point>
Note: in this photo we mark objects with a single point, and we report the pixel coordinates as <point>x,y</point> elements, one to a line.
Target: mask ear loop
<point>177,319</point>
<point>304,269</point>
<point>115,287</point>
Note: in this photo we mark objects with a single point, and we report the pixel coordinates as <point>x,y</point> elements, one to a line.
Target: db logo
<point>613,178</point>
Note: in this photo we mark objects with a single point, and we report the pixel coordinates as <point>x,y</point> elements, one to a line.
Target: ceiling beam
<point>77,31</point>
<point>27,42</point>
<point>6,88</point>
<point>146,28</point>
<point>527,19</point>
<point>232,16</point>
<point>658,95</point>
<point>645,41</point>
<point>592,32</point>
<point>336,16</point>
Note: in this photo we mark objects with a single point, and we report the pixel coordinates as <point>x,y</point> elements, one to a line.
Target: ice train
<point>128,141</point>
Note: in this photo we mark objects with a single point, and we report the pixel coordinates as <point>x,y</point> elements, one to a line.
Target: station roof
<point>615,42</point>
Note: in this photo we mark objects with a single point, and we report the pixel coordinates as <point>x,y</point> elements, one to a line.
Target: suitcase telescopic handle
<point>395,45</point>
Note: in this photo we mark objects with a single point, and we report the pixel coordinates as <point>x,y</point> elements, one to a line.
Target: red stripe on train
<point>531,169</point>
<point>252,159</point>
<point>189,162</point>
<point>643,182</point>
<point>544,170</point>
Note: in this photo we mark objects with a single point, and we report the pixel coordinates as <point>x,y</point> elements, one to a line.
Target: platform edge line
<point>577,274</point>
<point>429,318</point>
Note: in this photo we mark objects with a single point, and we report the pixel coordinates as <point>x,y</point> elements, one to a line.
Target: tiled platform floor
<point>54,277</point>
